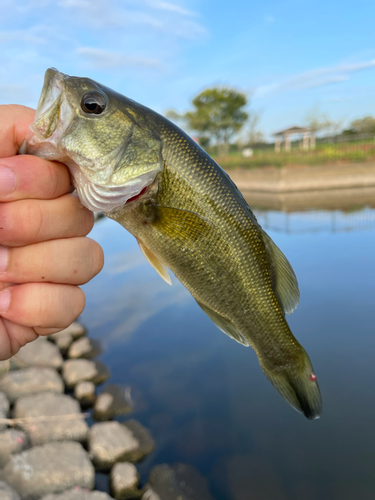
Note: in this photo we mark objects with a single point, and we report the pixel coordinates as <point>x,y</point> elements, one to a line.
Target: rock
<point>39,353</point>
<point>85,348</point>
<point>51,468</point>
<point>7,493</point>
<point>79,494</point>
<point>29,381</point>
<point>4,409</point>
<point>11,441</point>
<point>150,494</point>
<point>80,370</point>
<point>76,330</point>
<point>63,340</point>
<point>143,436</point>
<point>124,481</point>
<point>56,429</point>
<point>177,482</point>
<point>113,401</point>
<point>111,442</point>
<point>84,392</point>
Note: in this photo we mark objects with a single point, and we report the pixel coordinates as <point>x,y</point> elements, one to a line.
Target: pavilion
<point>308,138</point>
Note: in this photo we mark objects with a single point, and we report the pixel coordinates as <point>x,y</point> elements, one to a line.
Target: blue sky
<point>289,56</point>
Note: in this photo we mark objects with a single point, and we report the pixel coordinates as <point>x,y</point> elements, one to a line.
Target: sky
<point>288,56</point>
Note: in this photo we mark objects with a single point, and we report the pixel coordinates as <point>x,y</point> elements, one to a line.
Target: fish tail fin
<point>297,385</point>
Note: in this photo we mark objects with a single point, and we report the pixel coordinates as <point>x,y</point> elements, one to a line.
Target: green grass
<point>350,152</point>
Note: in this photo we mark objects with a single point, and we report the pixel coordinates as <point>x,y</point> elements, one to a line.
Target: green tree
<point>364,125</point>
<point>218,114</point>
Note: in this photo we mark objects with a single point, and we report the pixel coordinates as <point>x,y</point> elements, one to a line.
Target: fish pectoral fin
<point>160,268</point>
<point>286,285</point>
<point>181,224</point>
<point>224,324</point>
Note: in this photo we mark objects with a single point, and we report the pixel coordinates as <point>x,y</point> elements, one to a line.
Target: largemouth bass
<point>186,214</point>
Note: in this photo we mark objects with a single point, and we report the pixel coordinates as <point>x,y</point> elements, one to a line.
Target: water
<point>204,397</point>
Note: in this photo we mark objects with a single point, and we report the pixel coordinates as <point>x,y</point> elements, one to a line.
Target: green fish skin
<point>186,214</point>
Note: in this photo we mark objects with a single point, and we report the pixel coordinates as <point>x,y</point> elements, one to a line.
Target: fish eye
<point>93,102</point>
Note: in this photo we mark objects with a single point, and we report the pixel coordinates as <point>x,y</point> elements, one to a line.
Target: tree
<point>364,125</point>
<point>317,121</point>
<point>218,114</point>
<point>175,117</point>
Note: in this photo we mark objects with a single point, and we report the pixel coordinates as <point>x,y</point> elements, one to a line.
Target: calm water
<point>204,396</point>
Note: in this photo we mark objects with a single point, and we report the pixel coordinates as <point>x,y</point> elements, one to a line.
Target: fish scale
<point>187,215</point>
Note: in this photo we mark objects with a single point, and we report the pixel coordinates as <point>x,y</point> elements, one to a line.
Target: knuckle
<point>29,222</point>
<point>54,181</point>
<point>20,221</point>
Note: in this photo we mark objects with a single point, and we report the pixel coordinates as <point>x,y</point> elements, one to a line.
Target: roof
<point>293,130</point>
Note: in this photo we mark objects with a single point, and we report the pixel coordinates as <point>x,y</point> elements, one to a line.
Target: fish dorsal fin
<point>160,268</point>
<point>286,285</point>
<point>224,324</point>
<point>184,225</point>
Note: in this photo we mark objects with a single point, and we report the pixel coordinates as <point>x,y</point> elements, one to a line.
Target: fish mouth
<point>52,118</point>
<point>52,89</point>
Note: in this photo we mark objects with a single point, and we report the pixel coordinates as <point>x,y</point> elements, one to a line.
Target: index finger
<point>14,124</point>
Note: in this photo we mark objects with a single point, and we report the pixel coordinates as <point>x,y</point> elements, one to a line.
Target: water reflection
<point>298,201</point>
<point>331,210</point>
<point>208,403</point>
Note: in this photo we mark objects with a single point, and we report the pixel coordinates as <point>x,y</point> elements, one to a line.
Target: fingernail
<point>5,297</point>
<point>4,256</point>
<point>8,181</point>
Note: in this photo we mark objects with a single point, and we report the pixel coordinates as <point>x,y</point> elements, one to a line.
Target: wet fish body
<point>187,216</point>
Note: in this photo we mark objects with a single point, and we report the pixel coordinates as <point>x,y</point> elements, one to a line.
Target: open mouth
<point>54,114</point>
<point>52,118</point>
<point>51,92</point>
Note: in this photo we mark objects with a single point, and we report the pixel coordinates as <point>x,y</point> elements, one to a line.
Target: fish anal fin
<point>286,285</point>
<point>183,225</point>
<point>224,324</point>
<point>160,268</point>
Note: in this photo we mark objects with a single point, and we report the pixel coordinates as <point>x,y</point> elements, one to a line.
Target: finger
<point>15,121</point>
<point>29,221</point>
<point>72,261</point>
<point>13,337</point>
<point>42,305</point>
<point>28,176</point>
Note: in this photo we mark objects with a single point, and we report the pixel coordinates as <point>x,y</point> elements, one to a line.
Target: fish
<point>187,215</point>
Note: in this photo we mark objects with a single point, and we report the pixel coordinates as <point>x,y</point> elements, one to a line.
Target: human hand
<point>44,255</point>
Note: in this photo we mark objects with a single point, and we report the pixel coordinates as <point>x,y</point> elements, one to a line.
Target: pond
<point>204,396</point>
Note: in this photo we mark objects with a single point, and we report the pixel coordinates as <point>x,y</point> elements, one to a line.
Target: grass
<point>350,152</point>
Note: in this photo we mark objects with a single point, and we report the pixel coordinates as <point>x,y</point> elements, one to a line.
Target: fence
<point>336,149</point>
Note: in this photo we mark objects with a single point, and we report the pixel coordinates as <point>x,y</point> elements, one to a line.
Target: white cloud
<point>269,19</point>
<point>170,7</point>
<point>104,59</point>
<point>159,15</point>
<point>315,78</point>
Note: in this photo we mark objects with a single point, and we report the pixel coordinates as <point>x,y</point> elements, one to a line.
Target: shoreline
<point>304,178</point>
